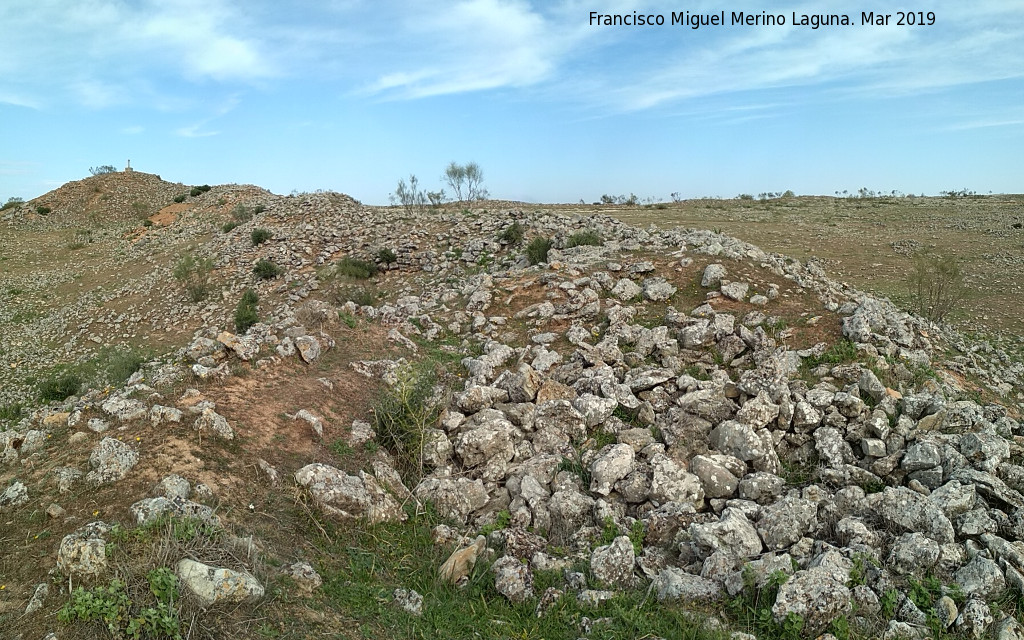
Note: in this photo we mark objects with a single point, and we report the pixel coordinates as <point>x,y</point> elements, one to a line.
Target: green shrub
<point>266,270</point>
<point>194,274</point>
<point>241,213</point>
<point>228,226</point>
<point>11,203</point>
<point>246,313</point>
<point>198,190</point>
<point>180,198</point>
<point>260,235</point>
<point>936,285</point>
<point>43,210</point>
<point>102,169</point>
<point>537,250</point>
<point>259,209</point>
<point>403,413</point>
<point>60,386</point>
<point>147,223</point>
<point>356,268</point>
<point>118,364</point>
<point>387,256</point>
<point>513,234</point>
<point>581,238</point>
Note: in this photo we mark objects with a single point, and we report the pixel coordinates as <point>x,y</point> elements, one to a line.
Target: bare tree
<point>455,176</point>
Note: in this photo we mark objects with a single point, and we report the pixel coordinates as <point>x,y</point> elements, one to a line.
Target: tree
<point>97,171</point>
<point>409,195</point>
<point>466,181</point>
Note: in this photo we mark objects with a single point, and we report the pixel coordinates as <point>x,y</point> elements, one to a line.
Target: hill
<point>503,421</point>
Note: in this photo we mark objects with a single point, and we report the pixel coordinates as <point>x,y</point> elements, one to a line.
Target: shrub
<point>402,414</point>
<point>259,209</point>
<point>181,197</point>
<point>43,210</point>
<point>537,250</point>
<point>513,234</point>
<point>466,181</point>
<point>241,213</point>
<point>246,313</point>
<point>60,386</point>
<point>147,223</point>
<point>194,274</point>
<point>102,169</point>
<point>228,226</point>
<point>118,364</point>
<point>409,195</point>
<point>259,236</point>
<point>11,203</point>
<point>266,270</point>
<point>355,268</point>
<point>387,256</point>
<point>198,190</point>
<point>745,196</point>
<point>589,237</point>
<point>936,285</point>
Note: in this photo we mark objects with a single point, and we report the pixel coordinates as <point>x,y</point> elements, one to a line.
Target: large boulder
<point>110,461</point>
<point>211,585</point>
<point>345,496</point>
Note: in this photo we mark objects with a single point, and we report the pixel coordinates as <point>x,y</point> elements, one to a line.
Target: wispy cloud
<point>133,130</point>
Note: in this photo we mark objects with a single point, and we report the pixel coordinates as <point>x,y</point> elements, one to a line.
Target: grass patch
<point>228,226</point>
<point>842,352</point>
<point>356,268</point>
<point>537,250</point>
<point>247,313</point>
<point>584,238</point>
<point>266,270</point>
<point>366,565</point>
<point>60,386</point>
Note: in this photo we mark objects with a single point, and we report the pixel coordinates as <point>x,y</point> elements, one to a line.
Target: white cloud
<point>133,130</point>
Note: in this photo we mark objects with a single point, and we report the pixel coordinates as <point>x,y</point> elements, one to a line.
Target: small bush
<point>228,226</point>
<point>194,274</point>
<point>402,414</point>
<point>241,213</point>
<point>581,238</point>
<point>180,198</point>
<point>387,256</point>
<point>260,235</point>
<point>513,234</point>
<point>266,270</point>
<point>745,196</point>
<point>537,250</point>
<point>246,313</point>
<point>355,268</point>
<point>60,386</point>
<point>147,223</point>
<point>11,203</point>
<point>936,285</point>
<point>43,210</point>
<point>102,169</point>
<point>259,209</point>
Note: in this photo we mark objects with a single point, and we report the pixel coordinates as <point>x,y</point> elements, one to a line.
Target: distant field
<point>869,242</point>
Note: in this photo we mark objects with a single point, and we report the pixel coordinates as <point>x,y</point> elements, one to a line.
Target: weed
<point>259,236</point>
<point>341,448</point>
<point>194,274</point>
<point>403,413</point>
<point>386,256</point>
<point>356,268</point>
<point>513,234</point>
<point>247,313</point>
<point>752,609</point>
<point>889,600</point>
<point>637,534</point>
<point>581,238</point>
<point>575,465</point>
<point>501,522</point>
<point>936,285</point>
<point>60,386</point>
<point>349,319</point>
<point>841,352</point>
<point>266,269</point>
<point>228,226</point>
<point>537,250</point>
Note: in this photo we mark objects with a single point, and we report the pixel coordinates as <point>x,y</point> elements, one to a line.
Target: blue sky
<point>350,95</point>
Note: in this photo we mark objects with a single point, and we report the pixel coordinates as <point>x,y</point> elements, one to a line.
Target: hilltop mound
<point>605,429</point>
<point>120,196</point>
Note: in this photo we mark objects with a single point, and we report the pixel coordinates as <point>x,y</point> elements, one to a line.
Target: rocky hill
<point>501,422</point>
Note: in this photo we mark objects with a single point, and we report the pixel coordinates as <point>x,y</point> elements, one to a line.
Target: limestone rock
<point>612,565</point>
<point>210,420</point>
<point>461,562</point>
<point>211,585</point>
<point>512,579</point>
<point>816,596</point>
<point>110,461</point>
<point>345,496</point>
<point>13,496</point>
<point>611,465</point>
<point>83,553</point>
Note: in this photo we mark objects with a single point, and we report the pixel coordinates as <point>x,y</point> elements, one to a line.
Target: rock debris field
<point>673,412</point>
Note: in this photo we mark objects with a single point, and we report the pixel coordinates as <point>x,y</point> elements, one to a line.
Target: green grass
<point>259,236</point>
<point>842,352</point>
<point>537,250</point>
<point>362,567</point>
<point>513,234</point>
<point>266,270</point>
<point>247,313</point>
<point>228,226</point>
<point>582,238</point>
<point>60,386</point>
<point>386,256</point>
<point>356,268</point>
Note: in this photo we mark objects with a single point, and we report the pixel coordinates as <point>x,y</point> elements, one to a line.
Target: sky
<point>351,95</point>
